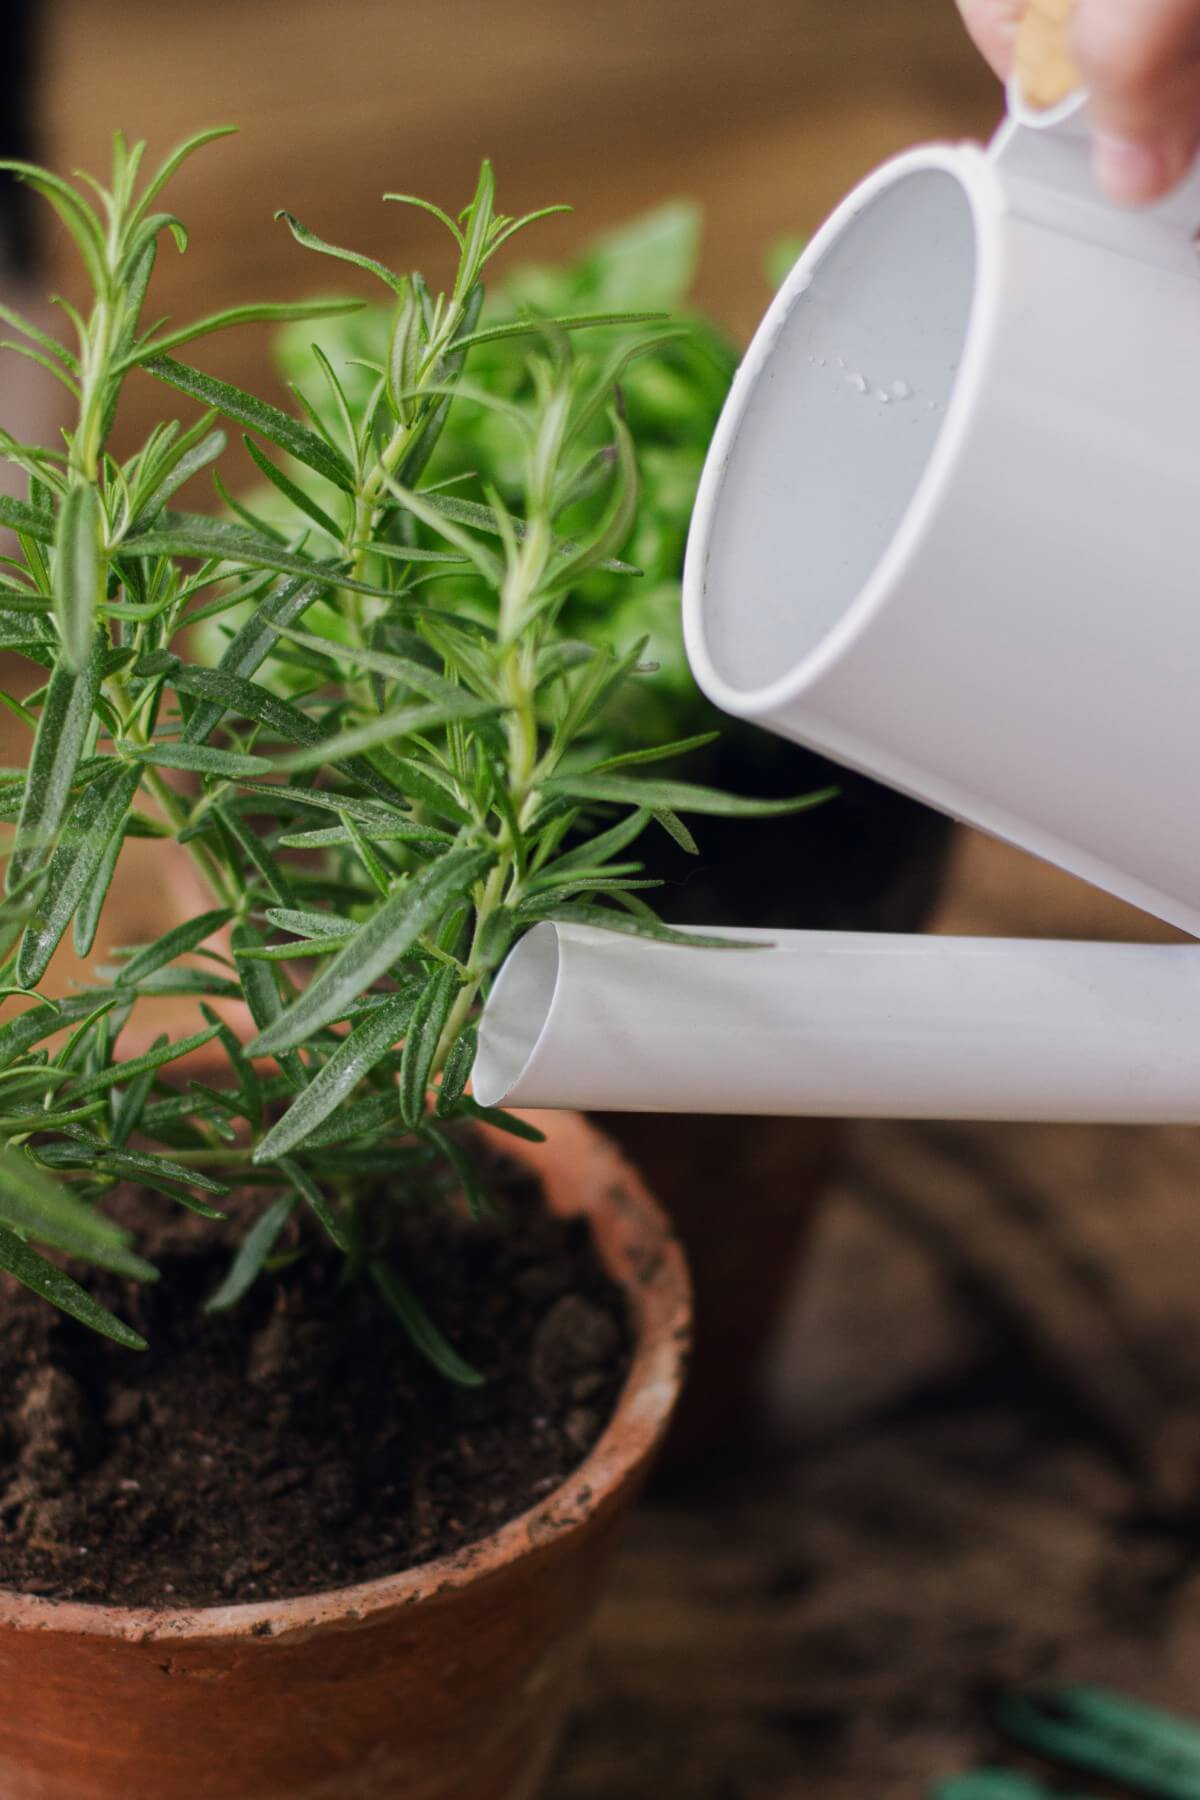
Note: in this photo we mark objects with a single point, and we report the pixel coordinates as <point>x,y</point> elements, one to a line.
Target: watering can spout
<point>851,1024</point>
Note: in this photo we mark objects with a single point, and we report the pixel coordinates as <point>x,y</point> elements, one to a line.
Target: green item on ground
<point>1148,1751</point>
<point>994,1784</point>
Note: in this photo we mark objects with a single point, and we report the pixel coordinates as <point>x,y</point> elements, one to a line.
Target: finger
<point>993,26</point>
<point>1141,64</point>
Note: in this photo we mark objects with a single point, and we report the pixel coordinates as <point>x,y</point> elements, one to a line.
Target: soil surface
<point>299,1442</point>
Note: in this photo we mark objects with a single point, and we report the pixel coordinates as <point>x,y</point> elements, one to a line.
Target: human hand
<point>1140,60</point>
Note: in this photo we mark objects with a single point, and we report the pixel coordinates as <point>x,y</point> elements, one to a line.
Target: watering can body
<point>946,535</point>
<point>946,530</point>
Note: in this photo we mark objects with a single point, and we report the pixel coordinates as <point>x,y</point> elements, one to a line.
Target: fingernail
<point>1131,174</point>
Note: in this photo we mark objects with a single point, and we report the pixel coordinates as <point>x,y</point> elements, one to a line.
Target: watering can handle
<point>1044,71</point>
<point>1043,154</point>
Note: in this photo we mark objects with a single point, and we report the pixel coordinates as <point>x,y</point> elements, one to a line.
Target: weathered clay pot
<point>446,1682</point>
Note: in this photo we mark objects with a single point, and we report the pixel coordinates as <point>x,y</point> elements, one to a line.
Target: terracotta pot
<point>446,1682</point>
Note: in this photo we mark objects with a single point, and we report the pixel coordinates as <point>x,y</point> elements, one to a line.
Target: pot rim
<point>584,1174</point>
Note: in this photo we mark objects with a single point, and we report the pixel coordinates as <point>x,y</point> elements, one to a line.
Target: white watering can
<point>948,534</point>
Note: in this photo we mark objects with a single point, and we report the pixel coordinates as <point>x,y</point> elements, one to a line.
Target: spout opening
<point>828,449</point>
<point>516,1016</point>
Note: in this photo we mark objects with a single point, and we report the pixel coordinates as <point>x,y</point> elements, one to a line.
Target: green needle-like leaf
<point>20,631</point>
<point>239,835</point>
<point>291,490</point>
<point>314,1199</point>
<point>266,311</point>
<point>185,463</point>
<point>429,207</point>
<point>251,645</point>
<point>535,323</point>
<point>656,753</point>
<point>200,759</point>
<point>404,722</point>
<point>41,1277</point>
<point>253,1252</point>
<point>33,1203</point>
<point>259,416</point>
<point>95,822</point>
<point>379,662</point>
<point>79,569</point>
<point>425,1335</point>
<point>425,1029</point>
<point>457,1071</point>
<point>397,833</point>
<point>128,1106</point>
<point>249,700</point>
<point>600,850</point>
<point>502,1121</point>
<point>75,213</point>
<point>62,731</point>
<point>171,165</point>
<point>675,828</point>
<point>680,796</point>
<point>192,534</point>
<point>28,520</point>
<point>311,241</point>
<point>58,352</point>
<point>364,812</point>
<point>153,1059</point>
<point>358,1121</point>
<point>143,1165</point>
<point>631,925</point>
<point>260,989</point>
<point>41,1022</point>
<point>387,936</point>
<point>337,1079</point>
<point>87,913</point>
<point>310,924</point>
<point>177,942</point>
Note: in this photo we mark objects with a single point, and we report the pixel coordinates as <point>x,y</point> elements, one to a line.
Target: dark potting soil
<point>299,1442</point>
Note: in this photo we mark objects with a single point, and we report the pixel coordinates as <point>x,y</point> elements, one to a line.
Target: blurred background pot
<point>744,1192</point>
<point>445,1682</point>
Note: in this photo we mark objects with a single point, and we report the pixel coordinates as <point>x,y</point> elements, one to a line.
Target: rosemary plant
<point>672,395</point>
<point>394,766</point>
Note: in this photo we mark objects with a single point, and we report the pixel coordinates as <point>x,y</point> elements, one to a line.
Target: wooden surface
<point>982,1465</point>
<point>766,110</point>
<point>986,1442</point>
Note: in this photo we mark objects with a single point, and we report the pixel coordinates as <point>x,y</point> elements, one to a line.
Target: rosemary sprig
<point>397,763</point>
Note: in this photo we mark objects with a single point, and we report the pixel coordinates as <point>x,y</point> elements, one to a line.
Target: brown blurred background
<point>765,110</point>
<point>986,1456</point>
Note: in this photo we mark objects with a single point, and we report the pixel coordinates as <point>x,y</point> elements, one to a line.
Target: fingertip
<point>1136,173</point>
<point>1130,173</point>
